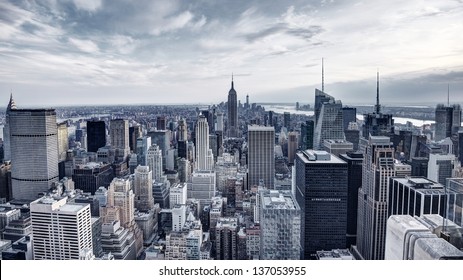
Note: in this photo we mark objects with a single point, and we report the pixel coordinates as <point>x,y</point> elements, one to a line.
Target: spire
<point>378,106</point>
<point>232,80</point>
<point>323,77</point>
<point>11,104</point>
<point>448,95</point>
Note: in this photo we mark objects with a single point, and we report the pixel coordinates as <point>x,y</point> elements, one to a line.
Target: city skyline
<point>93,52</point>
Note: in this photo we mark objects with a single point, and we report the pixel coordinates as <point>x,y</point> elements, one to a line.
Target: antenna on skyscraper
<point>323,77</point>
<point>448,95</point>
<point>378,106</point>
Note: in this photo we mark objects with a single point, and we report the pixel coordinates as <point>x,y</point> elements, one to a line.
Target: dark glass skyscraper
<point>349,114</point>
<point>354,183</point>
<point>232,112</point>
<point>321,192</point>
<point>96,135</point>
<point>307,130</point>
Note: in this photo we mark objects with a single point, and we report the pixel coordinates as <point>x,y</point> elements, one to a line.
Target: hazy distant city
<point>244,131</point>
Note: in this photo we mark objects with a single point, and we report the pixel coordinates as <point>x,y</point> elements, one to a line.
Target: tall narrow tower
<point>372,197</point>
<point>232,112</point>
<point>204,157</point>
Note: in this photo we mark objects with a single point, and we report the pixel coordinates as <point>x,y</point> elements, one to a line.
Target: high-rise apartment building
<point>321,192</point>
<point>378,167</point>
<point>143,189</point>
<point>261,155</point>
<point>96,135</point>
<point>60,229</point>
<point>232,112</point>
<point>34,151</point>
<point>225,243</point>
<point>280,224</point>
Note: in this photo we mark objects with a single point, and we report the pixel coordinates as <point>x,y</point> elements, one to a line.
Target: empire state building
<point>232,112</point>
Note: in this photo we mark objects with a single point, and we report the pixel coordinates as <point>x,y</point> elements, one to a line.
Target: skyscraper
<point>448,121</point>
<point>292,146</point>
<point>204,157</point>
<point>60,229</point>
<point>6,130</point>
<point>372,197</point>
<point>119,134</point>
<point>232,112</point>
<point>96,135</point>
<point>154,161</point>
<point>143,189</point>
<point>321,192</point>
<point>328,115</point>
<point>34,151</point>
<point>377,123</point>
<point>280,222</point>
<point>440,167</point>
<point>261,155</point>
<point>307,130</point>
<point>354,183</point>
<point>349,114</point>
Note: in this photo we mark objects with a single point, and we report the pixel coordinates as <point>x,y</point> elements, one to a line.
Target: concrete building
<point>225,243</point>
<point>418,238</point>
<point>440,167</point>
<point>337,147</point>
<point>280,224</point>
<point>60,230</point>
<point>202,186</point>
<point>178,194</point>
<point>419,196</point>
<point>143,189</point>
<point>378,167</point>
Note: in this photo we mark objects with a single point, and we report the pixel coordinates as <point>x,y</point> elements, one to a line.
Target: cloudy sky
<point>150,51</point>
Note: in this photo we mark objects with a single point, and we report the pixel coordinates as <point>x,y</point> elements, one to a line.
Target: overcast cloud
<point>115,51</point>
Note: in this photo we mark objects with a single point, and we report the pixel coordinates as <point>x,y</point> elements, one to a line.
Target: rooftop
<point>313,156</point>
